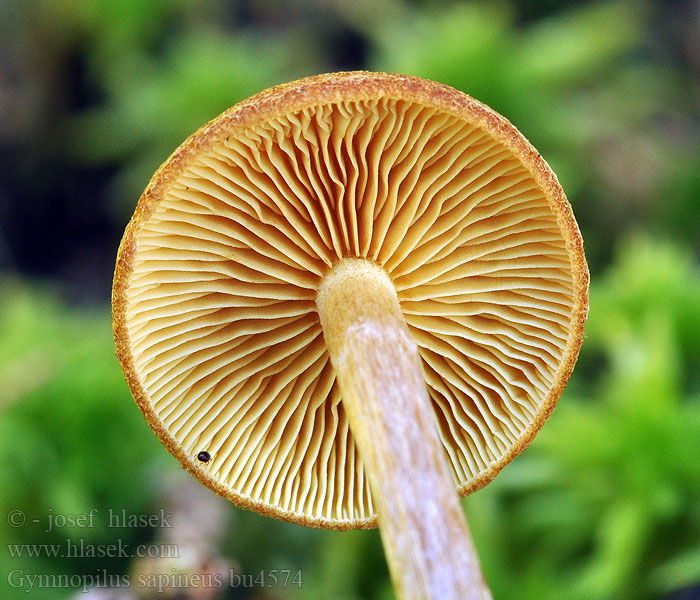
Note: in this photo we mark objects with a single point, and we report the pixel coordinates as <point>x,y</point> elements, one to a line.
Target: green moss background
<point>94,95</point>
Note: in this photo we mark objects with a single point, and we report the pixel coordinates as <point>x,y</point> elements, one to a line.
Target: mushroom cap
<point>214,291</point>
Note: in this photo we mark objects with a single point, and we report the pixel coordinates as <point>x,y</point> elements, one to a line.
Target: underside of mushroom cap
<point>214,292</point>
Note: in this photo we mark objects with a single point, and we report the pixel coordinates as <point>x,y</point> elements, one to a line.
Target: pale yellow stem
<point>425,535</point>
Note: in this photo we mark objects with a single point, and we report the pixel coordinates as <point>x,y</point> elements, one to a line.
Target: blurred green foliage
<point>605,504</point>
<point>71,439</point>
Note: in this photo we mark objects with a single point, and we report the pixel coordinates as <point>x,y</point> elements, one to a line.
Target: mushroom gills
<point>222,316</point>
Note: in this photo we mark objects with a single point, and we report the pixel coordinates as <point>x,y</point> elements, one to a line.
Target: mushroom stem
<point>425,535</point>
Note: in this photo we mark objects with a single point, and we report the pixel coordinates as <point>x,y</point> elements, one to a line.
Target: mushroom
<point>347,297</point>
